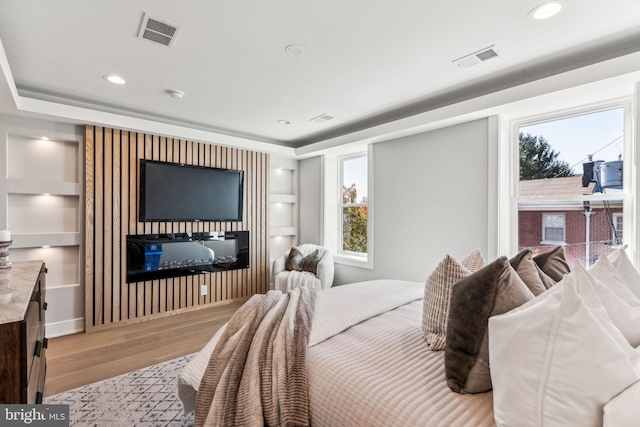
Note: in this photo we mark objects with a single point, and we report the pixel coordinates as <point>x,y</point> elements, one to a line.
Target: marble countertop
<point>16,286</point>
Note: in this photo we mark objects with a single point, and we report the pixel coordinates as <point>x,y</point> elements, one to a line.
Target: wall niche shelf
<point>43,205</point>
<point>283,198</point>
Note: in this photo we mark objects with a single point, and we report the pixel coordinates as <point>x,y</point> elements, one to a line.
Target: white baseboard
<point>65,327</point>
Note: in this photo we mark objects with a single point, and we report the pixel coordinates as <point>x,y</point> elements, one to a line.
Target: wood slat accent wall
<point>112,174</point>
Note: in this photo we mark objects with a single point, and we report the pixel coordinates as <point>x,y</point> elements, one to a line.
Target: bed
<point>368,362</point>
<point>384,344</point>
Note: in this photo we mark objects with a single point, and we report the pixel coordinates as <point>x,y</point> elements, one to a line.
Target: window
<point>617,228</point>
<point>353,205</point>
<point>553,228</point>
<point>572,184</point>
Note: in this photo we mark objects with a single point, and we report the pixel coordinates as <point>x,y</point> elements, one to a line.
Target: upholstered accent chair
<point>307,265</point>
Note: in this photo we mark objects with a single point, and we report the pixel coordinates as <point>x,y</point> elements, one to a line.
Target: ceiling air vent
<point>477,57</point>
<point>321,118</point>
<point>158,31</point>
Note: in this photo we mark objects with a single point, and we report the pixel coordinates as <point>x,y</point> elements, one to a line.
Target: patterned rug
<point>147,397</point>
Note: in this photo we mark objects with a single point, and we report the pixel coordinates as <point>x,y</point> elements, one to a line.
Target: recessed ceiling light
<point>115,79</point>
<point>44,138</point>
<point>294,49</point>
<point>547,9</point>
<point>283,122</point>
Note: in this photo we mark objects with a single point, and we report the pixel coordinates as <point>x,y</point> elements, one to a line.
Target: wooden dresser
<point>22,336</point>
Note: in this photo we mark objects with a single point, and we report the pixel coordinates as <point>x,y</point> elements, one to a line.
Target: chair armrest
<point>325,270</point>
<point>278,266</point>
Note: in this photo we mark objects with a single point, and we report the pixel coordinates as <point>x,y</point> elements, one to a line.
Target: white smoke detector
<point>176,94</point>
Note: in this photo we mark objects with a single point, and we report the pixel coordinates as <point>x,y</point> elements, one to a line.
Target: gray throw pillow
<point>492,290</point>
<point>292,263</point>
<point>310,262</point>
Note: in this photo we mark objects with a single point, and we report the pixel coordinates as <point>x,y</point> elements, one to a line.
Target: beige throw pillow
<point>437,295</point>
<point>529,271</point>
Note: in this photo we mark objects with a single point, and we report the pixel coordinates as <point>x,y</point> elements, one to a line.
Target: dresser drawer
<point>35,387</point>
<point>33,342</point>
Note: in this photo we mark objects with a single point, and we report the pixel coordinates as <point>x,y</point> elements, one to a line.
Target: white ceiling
<point>366,63</point>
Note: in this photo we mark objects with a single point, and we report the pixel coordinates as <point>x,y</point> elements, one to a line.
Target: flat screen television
<point>178,192</point>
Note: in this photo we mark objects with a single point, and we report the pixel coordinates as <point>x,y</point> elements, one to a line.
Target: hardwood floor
<point>80,359</point>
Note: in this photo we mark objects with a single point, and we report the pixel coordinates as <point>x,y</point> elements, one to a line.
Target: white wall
<point>431,195</point>
<point>311,203</point>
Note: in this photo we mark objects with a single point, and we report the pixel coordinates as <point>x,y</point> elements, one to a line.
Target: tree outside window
<point>354,204</point>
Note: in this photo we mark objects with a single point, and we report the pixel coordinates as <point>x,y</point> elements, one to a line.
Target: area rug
<point>146,397</point>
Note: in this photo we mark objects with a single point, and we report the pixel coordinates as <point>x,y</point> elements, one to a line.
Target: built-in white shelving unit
<point>43,199</point>
<point>283,197</point>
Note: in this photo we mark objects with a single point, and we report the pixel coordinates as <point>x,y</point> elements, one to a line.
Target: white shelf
<point>282,198</point>
<point>34,240</point>
<point>282,231</point>
<point>32,186</point>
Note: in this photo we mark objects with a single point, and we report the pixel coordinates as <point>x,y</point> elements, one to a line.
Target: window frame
<point>334,205</point>
<point>342,206</point>
<point>628,196</point>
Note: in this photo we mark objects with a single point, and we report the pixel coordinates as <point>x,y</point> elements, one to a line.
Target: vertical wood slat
<point>112,187</point>
<point>133,210</point>
<point>115,215</point>
<point>89,228</point>
<point>107,170</point>
<point>99,224</point>
<point>124,223</point>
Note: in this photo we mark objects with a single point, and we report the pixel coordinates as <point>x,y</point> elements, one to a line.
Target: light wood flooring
<point>80,359</point>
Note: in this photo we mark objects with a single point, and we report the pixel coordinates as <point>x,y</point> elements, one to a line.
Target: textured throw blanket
<point>289,280</point>
<point>257,373</point>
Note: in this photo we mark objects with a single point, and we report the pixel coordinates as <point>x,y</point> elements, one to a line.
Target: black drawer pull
<point>44,307</point>
<point>39,398</point>
<point>45,343</point>
<point>38,351</point>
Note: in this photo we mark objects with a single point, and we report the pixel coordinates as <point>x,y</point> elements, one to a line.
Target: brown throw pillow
<point>437,295</point>
<point>553,263</point>
<point>310,262</point>
<point>528,271</point>
<point>495,289</point>
<point>292,263</point>
<point>547,281</point>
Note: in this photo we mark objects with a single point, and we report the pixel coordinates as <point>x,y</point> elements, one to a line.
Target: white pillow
<point>624,410</point>
<point>555,361</point>
<point>624,317</point>
<point>627,271</point>
<point>604,271</point>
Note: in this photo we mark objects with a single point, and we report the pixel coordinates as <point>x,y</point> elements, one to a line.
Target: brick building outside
<point>587,230</point>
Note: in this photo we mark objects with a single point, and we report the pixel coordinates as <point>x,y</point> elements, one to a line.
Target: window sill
<point>553,242</point>
<point>353,260</point>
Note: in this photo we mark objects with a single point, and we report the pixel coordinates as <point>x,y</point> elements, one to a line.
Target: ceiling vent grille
<point>321,118</point>
<point>158,31</point>
<point>477,57</point>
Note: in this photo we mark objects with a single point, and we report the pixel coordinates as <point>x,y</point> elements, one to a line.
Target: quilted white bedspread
<point>369,366</point>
